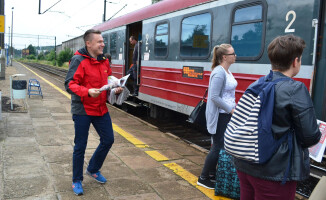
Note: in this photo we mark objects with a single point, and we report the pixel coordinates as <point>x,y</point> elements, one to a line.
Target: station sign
<point>2,23</point>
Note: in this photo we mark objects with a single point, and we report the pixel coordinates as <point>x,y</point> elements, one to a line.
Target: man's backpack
<point>248,135</point>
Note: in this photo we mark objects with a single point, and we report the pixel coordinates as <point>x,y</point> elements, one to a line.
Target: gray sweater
<point>216,85</point>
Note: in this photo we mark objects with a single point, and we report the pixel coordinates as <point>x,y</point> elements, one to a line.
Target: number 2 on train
<point>288,29</point>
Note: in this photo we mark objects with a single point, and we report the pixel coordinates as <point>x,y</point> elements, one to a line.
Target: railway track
<point>191,134</point>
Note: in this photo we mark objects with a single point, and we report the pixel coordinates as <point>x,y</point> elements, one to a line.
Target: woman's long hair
<point>218,52</point>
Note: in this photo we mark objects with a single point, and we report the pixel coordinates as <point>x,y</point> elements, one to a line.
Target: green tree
<point>64,56</point>
<point>32,50</point>
<point>31,57</point>
<point>50,56</point>
<point>41,56</point>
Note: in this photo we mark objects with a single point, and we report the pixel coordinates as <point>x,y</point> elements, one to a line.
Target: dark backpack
<point>249,135</point>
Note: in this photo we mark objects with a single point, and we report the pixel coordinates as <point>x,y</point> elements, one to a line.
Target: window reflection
<point>113,45</point>
<point>106,41</point>
<point>247,29</point>
<point>161,40</point>
<point>162,29</point>
<point>249,13</point>
<point>247,39</point>
<point>195,36</point>
<point>161,44</point>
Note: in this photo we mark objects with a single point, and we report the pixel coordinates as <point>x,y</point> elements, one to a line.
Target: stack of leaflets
<point>113,83</point>
<point>316,152</point>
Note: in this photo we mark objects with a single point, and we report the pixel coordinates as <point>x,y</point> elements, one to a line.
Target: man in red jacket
<point>88,71</point>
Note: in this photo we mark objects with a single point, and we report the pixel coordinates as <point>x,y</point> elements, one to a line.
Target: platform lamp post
<point>12,28</point>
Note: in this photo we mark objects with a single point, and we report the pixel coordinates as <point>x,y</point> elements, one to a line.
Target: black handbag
<point>197,116</point>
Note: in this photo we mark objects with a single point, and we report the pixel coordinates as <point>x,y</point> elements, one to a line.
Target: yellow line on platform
<point>129,137</point>
<point>192,179</point>
<point>156,155</point>
<point>48,82</point>
<point>177,169</point>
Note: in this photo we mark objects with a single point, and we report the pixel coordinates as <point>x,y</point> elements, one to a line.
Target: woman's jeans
<point>103,126</point>
<point>217,143</point>
<point>252,188</point>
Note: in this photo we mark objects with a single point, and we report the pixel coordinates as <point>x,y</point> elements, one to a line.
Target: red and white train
<point>178,36</point>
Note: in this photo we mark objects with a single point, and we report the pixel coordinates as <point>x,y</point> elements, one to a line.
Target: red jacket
<point>84,73</point>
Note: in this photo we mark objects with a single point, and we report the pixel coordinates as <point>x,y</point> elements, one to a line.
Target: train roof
<point>162,7</point>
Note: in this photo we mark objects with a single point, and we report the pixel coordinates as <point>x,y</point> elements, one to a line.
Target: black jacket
<point>293,105</point>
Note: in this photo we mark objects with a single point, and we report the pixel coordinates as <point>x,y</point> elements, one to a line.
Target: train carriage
<point>177,38</point>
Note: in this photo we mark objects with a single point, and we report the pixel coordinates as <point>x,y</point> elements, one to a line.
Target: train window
<point>106,41</point>
<point>161,40</point>
<point>113,45</point>
<point>248,13</point>
<point>195,36</point>
<point>247,32</point>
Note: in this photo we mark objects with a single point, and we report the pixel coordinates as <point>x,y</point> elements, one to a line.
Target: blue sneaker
<point>97,176</point>
<point>77,187</point>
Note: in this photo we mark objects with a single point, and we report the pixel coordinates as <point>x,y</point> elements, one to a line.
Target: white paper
<point>120,56</point>
<point>146,56</point>
<point>317,152</point>
<point>114,82</point>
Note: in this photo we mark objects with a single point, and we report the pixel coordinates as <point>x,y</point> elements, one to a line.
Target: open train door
<point>319,87</point>
<point>135,30</point>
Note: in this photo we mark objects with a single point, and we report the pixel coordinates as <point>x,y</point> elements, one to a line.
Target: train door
<point>319,89</point>
<point>135,30</point>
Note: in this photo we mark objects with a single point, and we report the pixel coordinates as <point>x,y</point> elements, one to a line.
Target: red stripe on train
<point>168,83</point>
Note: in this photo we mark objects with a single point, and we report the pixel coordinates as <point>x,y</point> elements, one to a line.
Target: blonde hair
<point>218,52</point>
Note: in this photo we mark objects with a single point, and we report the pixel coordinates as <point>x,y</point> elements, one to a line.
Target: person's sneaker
<point>206,183</point>
<point>97,176</point>
<point>212,178</point>
<point>77,187</point>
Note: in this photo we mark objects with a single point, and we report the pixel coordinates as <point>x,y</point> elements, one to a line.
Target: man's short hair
<point>283,50</point>
<point>133,38</point>
<point>88,34</point>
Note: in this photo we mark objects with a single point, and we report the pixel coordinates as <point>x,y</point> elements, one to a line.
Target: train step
<point>133,104</point>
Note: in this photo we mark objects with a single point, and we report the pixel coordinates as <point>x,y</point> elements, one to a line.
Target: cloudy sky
<point>65,20</point>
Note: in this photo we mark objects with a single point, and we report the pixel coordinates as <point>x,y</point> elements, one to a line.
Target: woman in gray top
<point>220,106</point>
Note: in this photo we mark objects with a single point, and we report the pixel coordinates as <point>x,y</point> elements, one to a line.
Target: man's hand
<point>93,92</point>
<point>118,90</point>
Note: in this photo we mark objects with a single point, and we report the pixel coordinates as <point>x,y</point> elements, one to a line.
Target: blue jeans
<point>103,126</point>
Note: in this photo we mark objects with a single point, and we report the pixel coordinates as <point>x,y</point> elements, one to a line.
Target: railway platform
<point>36,146</point>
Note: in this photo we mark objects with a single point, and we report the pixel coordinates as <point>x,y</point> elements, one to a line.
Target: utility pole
<point>12,29</point>
<point>55,50</point>
<point>8,47</point>
<point>2,47</point>
<point>104,11</point>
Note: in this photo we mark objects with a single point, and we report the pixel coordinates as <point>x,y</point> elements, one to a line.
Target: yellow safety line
<point>129,137</point>
<point>156,155</point>
<point>177,169</point>
<point>192,179</point>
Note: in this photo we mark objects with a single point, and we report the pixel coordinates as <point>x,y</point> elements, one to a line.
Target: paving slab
<point>57,154</point>
<point>127,186</point>
<point>156,175</point>
<point>140,162</point>
<point>148,196</point>
<point>24,187</point>
<point>176,190</point>
<point>89,194</point>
